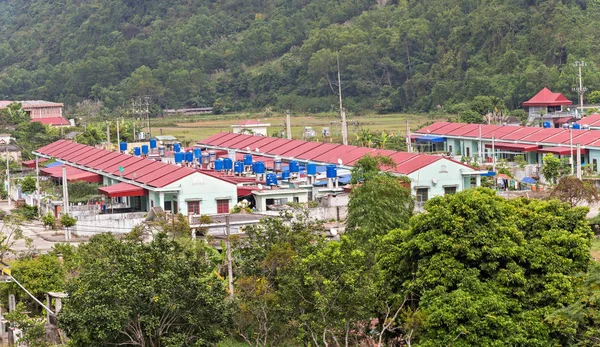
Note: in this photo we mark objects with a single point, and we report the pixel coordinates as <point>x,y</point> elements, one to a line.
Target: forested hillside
<point>394,55</point>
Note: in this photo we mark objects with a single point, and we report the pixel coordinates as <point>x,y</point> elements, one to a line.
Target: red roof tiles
<point>545,97</point>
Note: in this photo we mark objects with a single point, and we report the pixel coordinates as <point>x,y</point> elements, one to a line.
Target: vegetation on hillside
<point>394,55</point>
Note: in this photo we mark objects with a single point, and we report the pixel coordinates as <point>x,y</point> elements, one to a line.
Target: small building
<point>251,127</point>
<point>46,112</point>
<point>268,197</point>
<point>189,111</point>
<point>13,152</point>
<point>546,102</point>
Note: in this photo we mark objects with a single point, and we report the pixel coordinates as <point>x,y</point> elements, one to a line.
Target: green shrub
<point>67,220</point>
<point>49,220</point>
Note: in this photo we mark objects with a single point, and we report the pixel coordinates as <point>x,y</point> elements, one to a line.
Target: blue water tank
<point>123,147</point>
<point>271,179</point>
<point>277,164</point>
<point>152,143</point>
<point>259,167</point>
<point>197,153</point>
<point>177,147</point>
<point>219,164</point>
<point>248,159</point>
<point>179,157</point>
<point>547,125</point>
<point>189,157</point>
<point>331,171</point>
<point>576,126</point>
<point>144,149</point>
<point>227,164</point>
<point>238,167</point>
<point>294,167</point>
<point>137,151</point>
<point>311,169</point>
<point>285,175</point>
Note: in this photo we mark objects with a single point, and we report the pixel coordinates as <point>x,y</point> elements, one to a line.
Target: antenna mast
<point>581,89</point>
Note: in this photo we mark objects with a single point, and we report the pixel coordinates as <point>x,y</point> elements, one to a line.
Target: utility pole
<point>571,148</point>
<point>118,135</point>
<point>581,89</point>
<point>37,184</point>
<point>65,199</point>
<point>579,160</point>
<point>8,176</point>
<point>408,139</point>
<point>288,125</point>
<point>229,265</point>
<point>147,103</point>
<point>342,112</point>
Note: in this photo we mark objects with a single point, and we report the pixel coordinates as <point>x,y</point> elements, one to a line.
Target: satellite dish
<point>340,161</point>
<point>248,148</point>
<point>257,150</point>
<point>434,181</point>
<point>333,232</point>
<point>259,186</point>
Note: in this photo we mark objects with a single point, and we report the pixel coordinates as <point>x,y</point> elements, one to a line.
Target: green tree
<point>28,184</point>
<point>156,293</point>
<point>487,271</point>
<point>574,191</point>
<point>471,116</point>
<point>552,168</point>
<point>594,97</point>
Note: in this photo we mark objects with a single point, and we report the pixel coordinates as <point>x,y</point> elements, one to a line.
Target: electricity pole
<point>228,251</point>
<point>581,89</point>
<point>147,102</point>
<point>342,112</point>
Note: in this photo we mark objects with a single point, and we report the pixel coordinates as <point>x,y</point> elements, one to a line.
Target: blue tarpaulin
<point>431,139</point>
<point>489,174</point>
<point>56,163</point>
<point>529,180</point>
<point>345,179</point>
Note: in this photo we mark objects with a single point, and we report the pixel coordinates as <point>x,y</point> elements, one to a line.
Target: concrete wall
<point>103,223</point>
<point>200,186</point>
<point>447,174</point>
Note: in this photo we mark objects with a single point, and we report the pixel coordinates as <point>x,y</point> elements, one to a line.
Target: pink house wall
<point>44,112</point>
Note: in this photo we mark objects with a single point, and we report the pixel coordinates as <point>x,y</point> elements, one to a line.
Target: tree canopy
<point>394,55</point>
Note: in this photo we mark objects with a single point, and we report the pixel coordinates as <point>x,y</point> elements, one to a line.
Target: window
<point>296,199</point>
<point>167,205</point>
<point>449,190</point>
<point>468,151</point>
<point>222,206</point>
<point>280,201</point>
<point>193,207</point>
<point>422,196</point>
<point>595,164</point>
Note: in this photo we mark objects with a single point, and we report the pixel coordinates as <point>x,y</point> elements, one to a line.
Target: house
<point>137,183</point>
<point>12,151</point>
<point>430,175</point>
<point>46,112</point>
<point>546,102</point>
<point>251,127</point>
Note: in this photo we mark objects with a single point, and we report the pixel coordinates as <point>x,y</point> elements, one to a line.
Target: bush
<point>49,220</point>
<point>27,211</point>
<point>67,220</point>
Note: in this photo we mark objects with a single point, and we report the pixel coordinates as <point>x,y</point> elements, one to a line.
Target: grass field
<point>195,128</point>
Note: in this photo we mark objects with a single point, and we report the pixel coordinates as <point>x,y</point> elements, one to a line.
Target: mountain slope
<point>394,56</point>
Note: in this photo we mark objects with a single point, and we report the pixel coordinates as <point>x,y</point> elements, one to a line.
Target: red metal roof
<point>591,120</point>
<point>545,97</point>
<point>333,155</point>
<point>433,127</point>
<point>356,154</point>
<point>159,174</point>
<point>560,150</point>
<point>542,134</point>
<point>122,189</point>
<point>272,145</point>
<point>416,163</point>
<point>466,128</point>
<point>246,141</point>
<point>227,138</point>
<point>303,148</point>
<point>518,147</point>
<point>51,121</point>
<point>73,174</point>
<point>317,151</point>
<point>288,146</point>
<point>518,133</point>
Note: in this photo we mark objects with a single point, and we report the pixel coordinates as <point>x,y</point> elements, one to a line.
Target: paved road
<point>43,240</point>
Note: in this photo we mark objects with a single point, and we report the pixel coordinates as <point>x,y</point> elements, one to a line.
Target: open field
<point>195,128</point>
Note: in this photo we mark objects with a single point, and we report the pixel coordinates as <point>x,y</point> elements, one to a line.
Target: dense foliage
<point>394,54</point>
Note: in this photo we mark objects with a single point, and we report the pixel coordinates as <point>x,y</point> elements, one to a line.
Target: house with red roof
<point>45,112</point>
<point>141,183</point>
<point>546,102</point>
<point>251,127</point>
